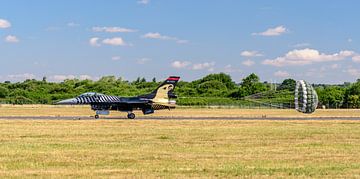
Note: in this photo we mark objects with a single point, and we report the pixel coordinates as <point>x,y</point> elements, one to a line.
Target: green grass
<point>169,148</point>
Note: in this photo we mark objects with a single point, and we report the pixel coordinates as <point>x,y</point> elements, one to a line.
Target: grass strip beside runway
<point>178,148</point>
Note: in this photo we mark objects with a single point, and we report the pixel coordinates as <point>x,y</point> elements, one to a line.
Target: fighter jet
<point>161,98</point>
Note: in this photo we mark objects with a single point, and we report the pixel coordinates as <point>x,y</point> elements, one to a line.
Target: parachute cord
<point>248,98</point>
<point>268,104</point>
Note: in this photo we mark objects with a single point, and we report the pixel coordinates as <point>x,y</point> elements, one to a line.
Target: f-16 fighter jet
<point>161,98</point>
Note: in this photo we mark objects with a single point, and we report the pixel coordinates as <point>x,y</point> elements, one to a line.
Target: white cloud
<point>356,58</point>
<point>116,41</point>
<point>142,61</point>
<point>11,39</point>
<point>209,66</point>
<point>251,54</point>
<point>143,2</point>
<point>94,42</point>
<point>115,58</point>
<point>112,29</point>
<point>4,24</point>
<point>156,35</point>
<point>21,77</point>
<point>346,53</point>
<point>349,40</point>
<point>180,64</point>
<point>85,77</point>
<point>276,31</point>
<point>283,74</point>
<point>354,72</point>
<point>72,24</point>
<point>306,56</point>
<point>248,63</point>
<point>204,66</point>
<point>59,78</point>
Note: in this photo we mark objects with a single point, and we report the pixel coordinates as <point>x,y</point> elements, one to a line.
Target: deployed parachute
<point>306,99</point>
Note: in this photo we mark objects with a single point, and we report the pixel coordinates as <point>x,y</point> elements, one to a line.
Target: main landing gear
<point>131,115</point>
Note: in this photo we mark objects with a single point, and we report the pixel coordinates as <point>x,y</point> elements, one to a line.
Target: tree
<point>354,101</point>
<point>137,81</point>
<point>331,96</point>
<point>250,80</point>
<point>250,85</point>
<point>212,88</point>
<point>212,85</point>
<point>288,84</point>
<point>3,92</point>
<point>109,79</point>
<point>351,96</point>
<point>221,77</point>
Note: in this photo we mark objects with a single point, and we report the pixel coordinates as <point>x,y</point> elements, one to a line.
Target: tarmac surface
<point>169,118</point>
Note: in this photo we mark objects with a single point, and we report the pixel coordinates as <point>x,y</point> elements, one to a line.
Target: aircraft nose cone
<point>68,101</point>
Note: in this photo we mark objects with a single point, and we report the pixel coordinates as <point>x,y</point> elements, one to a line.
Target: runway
<point>169,118</point>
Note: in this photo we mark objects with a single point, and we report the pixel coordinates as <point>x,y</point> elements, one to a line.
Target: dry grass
<point>52,110</point>
<point>167,148</point>
<point>175,148</point>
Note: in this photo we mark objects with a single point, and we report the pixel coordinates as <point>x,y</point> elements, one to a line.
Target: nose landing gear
<point>131,115</point>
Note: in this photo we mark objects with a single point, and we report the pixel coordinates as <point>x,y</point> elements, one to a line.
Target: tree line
<point>213,89</point>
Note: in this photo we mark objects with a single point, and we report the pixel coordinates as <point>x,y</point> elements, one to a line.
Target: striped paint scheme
<point>97,99</point>
<point>159,106</point>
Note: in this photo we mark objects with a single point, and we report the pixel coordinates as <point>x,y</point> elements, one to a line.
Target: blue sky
<point>313,40</point>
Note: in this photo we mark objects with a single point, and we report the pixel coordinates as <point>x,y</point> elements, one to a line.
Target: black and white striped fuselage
<point>98,99</point>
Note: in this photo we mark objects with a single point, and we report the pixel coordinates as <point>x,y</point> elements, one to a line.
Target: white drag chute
<point>306,99</point>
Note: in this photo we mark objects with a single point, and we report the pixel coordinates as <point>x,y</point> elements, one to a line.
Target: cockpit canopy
<point>90,94</point>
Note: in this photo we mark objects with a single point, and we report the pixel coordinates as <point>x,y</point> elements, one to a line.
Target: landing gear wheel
<point>96,116</point>
<point>131,116</point>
